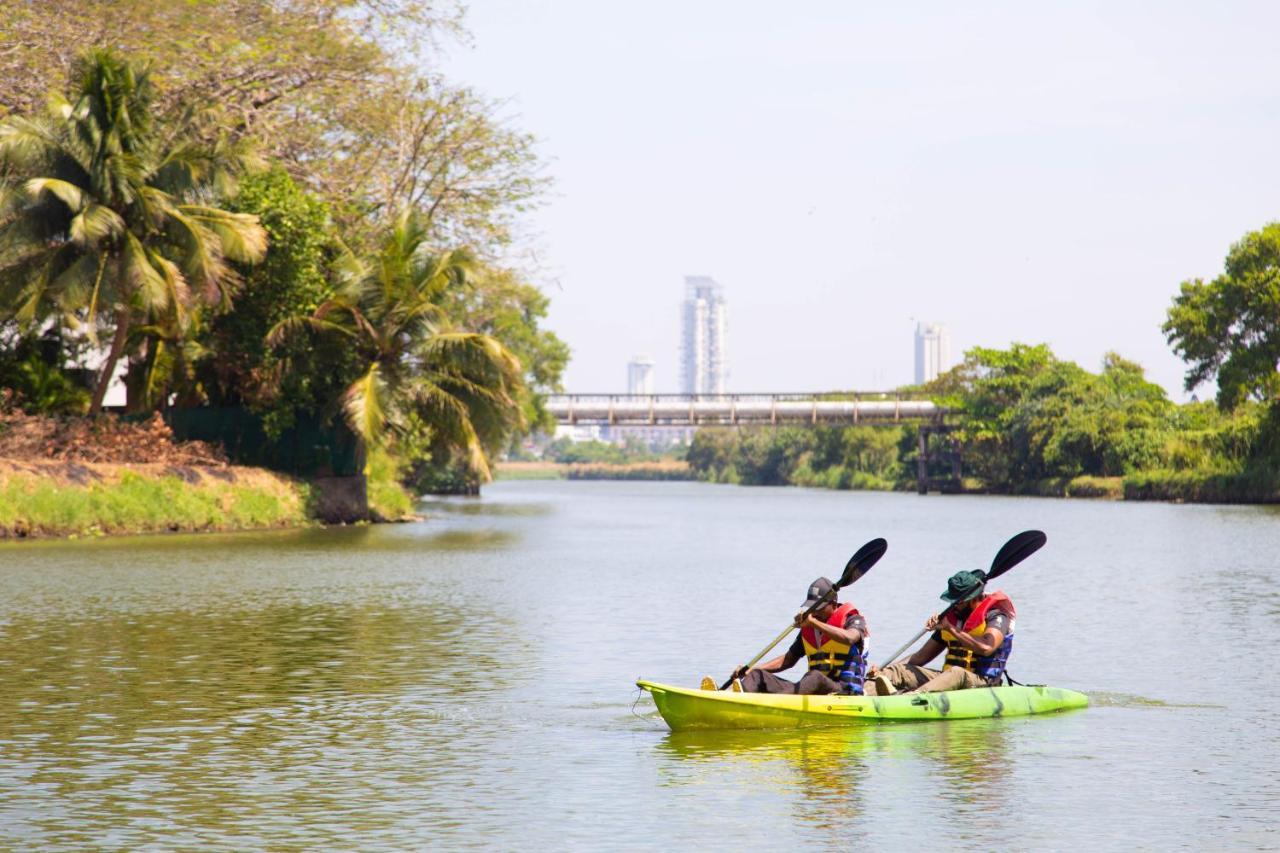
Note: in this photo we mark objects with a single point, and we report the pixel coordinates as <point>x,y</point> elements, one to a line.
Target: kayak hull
<point>685,708</point>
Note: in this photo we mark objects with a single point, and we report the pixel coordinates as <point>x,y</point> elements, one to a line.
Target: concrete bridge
<point>937,460</point>
<point>685,410</point>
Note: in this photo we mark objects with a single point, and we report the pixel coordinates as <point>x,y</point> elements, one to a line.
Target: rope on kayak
<point>1012,681</point>
<point>639,696</point>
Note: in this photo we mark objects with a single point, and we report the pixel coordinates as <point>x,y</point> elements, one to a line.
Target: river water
<point>469,681</point>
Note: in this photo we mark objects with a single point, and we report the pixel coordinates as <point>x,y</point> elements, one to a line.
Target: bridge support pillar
<point>922,464</point>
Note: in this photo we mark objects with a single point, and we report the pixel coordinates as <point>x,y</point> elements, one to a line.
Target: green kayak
<point>685,708</point>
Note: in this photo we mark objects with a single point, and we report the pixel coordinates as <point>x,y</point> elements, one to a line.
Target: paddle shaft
<point>785,632</point>
<point>908,644</point>
<point>859,564</point>
<point>1010,554</point>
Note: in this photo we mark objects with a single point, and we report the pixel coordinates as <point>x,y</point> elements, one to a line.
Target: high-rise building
<point>933,351</point>
<point>640,375</point>
<point>704,364</point>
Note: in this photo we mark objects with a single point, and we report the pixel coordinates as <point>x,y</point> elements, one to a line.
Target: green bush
<point>388,499</point>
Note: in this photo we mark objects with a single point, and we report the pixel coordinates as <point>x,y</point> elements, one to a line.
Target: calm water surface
<point>468,681</point>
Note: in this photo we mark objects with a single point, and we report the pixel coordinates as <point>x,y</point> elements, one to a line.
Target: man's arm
<point>930,650</point>
<point>850,635</point>
<point>987,643</point>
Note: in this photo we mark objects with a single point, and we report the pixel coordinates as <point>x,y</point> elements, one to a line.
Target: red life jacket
<point>839,661</point>
<point>978,616</point>
<point>992,666</point>
<point>837,619</point>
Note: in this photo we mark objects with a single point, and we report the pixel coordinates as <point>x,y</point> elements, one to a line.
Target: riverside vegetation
<point>266,208</point>
<point>1027,422</point>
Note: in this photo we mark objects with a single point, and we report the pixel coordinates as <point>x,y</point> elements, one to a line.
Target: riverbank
<point>64,498</point>
<point>662,469</point>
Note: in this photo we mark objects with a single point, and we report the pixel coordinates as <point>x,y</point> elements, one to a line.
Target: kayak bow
<point>684,708</point>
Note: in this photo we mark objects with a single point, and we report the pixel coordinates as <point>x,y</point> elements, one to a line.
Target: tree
<point>1228,329</point>
<point>292,280</point>
<point>1026,415</point>
<point>330,88</point>
<point>108,222</point>
<point>502,304</point>
<point>416,367</point>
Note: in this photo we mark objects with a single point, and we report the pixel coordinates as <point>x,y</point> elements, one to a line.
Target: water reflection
<point>461,506</point>
<point>227,719</point>
<point>828,767</point>
<point>464,680</point>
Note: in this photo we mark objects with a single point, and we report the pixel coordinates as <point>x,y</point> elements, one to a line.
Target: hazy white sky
<point>1019,171</point>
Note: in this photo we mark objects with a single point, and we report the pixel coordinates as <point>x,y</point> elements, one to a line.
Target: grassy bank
<point>1257,485</point>
<point>68,499</point>
<point>663,469</point>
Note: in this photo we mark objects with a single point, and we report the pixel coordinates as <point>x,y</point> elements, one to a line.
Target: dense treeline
<point>1026,421</point>
<point>268,206</point>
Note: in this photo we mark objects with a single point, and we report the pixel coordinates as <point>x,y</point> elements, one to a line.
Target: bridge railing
<point>735,409</point>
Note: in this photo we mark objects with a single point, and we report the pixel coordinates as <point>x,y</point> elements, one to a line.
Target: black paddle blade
<point>861,562</point>
<point>1015,551</point>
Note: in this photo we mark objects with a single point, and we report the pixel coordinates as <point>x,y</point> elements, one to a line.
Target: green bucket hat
<point>964,585</point>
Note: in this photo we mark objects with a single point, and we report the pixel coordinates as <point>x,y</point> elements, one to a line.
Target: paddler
<point>832,638</point>
<point>976,632</point>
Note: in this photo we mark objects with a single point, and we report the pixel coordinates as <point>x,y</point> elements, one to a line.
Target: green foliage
<point>335,89</point>
<point>32,376</point>
<point>1027,423</point>
<point>388,499</point>
<point>1255,485</point>
<point>298,376</point>
<point>1027,416</point>
<point>501,304</point>
<point>666,470</point>
<point>570,452</point>
<point>827,457</point>
<point>143,504</point>
<point>105,219</point>
<point>455,392</point>
<point>1228,329</point>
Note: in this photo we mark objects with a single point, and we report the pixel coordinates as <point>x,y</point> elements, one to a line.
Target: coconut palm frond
<point>26,144</point>
<point>473,354</point>
<point>291,327</point>
<point>451,422</point>
<point>241,235</point>
<point>95,224</point>
<point>198,247</point>
<point>69,194</point>
<point>364,404</point>
<point>72,288</point>
<point>144,280</point>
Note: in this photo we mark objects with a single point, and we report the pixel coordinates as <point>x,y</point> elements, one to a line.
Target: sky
<point>1035,172</point>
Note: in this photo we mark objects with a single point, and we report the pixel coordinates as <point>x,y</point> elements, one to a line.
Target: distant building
<point>933,351</point>
<point>640,375</point>
<point>704,364</point>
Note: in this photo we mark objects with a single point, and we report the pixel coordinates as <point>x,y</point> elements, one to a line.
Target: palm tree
<point>107,222</point>
<point>462,385</point>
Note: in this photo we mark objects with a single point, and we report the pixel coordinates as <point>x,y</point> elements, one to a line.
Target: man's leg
<point>817,683</point>
<point>954,678</point>
<point>904,676</point>
<point>759,681</point>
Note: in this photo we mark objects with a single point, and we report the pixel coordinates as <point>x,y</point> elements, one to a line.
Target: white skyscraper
<point>933,351</point>
<point>640,375</point>
<point>704,364</point>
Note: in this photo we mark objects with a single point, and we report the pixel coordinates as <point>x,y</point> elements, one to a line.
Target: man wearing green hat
<point>976,632</point>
